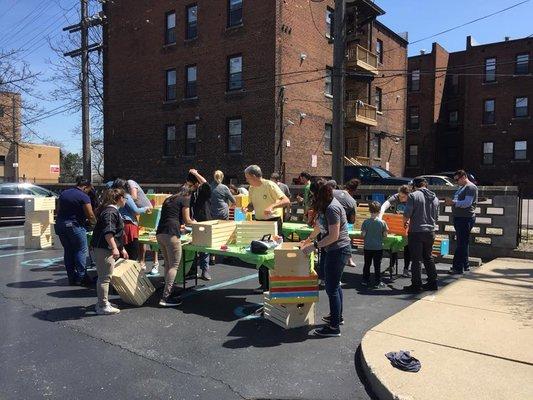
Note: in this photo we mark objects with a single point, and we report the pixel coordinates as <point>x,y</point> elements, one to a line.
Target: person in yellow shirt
<point>268,201</point>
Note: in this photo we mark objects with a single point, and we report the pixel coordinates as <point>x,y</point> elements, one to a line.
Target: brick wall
<point>394,98</point>
<point>136,114</point>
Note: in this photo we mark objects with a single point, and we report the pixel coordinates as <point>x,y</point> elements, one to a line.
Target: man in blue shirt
<point>463,204</point>
<point>74,214</point>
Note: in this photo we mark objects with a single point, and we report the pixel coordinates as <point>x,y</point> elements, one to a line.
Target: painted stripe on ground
<point>219,285</point>
<point>20,254</point>
<point>12,238</point>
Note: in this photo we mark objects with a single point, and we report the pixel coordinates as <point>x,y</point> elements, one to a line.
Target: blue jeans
<point>334,262</point>
<point>203,261</point>
<point>463,226</point>
<point>74,241</point>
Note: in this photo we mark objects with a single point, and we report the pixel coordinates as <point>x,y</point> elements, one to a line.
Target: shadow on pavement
<point>65,313</point>
<point>41,283</point>
<point>361,375</point>
<point>259,332</point>
<point>73,293</point>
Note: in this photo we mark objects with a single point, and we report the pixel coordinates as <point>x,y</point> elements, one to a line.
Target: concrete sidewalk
<point>474,339</point>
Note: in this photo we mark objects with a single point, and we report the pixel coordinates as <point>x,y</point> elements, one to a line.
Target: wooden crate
<point>38,242</point>
<point>289,260</point>
<point>395,224</point>
<point>254,230</point>
<point>39,204</point>
<point>149,221</point>
<point>37,229</point>
<point>289,316</point>
<point>40,217</point>
<point>293,289</point>
<point>130,282</point>
<point>241,200</point>
<point>212,233</point>
<point>157,199</point>
<point>362,213</point>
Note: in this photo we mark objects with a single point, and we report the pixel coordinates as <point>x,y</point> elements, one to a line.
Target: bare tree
<point>16,77</point>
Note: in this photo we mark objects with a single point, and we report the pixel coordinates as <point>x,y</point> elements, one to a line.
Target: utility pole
<point>15,138</point>
<point>339,54</point>
<point>83,52</point>
<point>279,150</point>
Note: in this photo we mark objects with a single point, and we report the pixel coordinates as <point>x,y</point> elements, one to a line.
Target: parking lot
<point>211,347</point>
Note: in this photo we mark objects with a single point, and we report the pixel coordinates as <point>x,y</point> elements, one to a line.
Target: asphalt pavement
<point>212,347</point>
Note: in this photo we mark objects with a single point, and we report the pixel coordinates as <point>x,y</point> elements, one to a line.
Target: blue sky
<point>420,18</point>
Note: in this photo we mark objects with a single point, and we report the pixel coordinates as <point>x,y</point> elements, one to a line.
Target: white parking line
<point>12,238</point>
<point>5,228</point>
<point>20,254</point>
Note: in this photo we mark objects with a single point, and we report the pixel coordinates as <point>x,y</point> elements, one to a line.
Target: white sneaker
<point>108,309</point>
<point>154,270</point>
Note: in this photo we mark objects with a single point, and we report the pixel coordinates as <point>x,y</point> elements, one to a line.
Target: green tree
<point>71,167</point>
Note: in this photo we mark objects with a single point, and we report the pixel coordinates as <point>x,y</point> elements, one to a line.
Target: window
<point>520,107</point>
<point>522,64</point>
<point>327,137</point>
<point>415,80</point>
<point>490,70</point>
<point>235,73</point>
<point>412,155</point>
<point>234,135</point>
<point>488,153</point>
<point>171,85</point>
<point>414,119</point>
<point>379,51</point>
<point>328,87</point>
<point>520,150</point>
<point>190,81</point>
<point>453,118</point>
<point>170,27</point>
<point>378,96</point>
<point>190,139</point>
<point>2,161</point>
<point>191,22</point>
<point>329,22</point>
<point>455,83</point>
<point>234,12</point>
<point>489,115</point>
<point>170,140</point>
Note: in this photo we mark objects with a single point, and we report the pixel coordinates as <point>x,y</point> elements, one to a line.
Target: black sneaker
<point>327,331</point>
<point>432,286</point>
<point>412,289</point>
<point>454,272</point>
<point>170,302</point>
<point>327,320</point>
<point>205,276</point>
<point>365,283</point>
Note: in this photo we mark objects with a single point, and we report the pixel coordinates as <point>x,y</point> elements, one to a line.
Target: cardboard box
<point>289,316</point>
<point>241,200</point>
<point>395,224</point>
<point>39,204</point>
<point>254,230</point>
<point>212,233</point>
<point>130,282</point>
<point>289,260</point>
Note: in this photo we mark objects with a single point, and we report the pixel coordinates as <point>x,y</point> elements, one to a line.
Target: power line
<point>462,25</point>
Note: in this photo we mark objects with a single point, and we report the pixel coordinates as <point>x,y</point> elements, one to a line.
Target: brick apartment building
<point>10,115</point>
<point>226,83</point>
<point>470,109</point>
<point>35,163</point>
